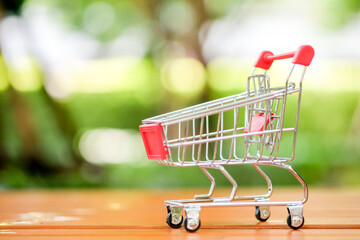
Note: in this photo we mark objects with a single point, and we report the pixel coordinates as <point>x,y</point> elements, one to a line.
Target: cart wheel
<point>262,214</point>
<point>192,225</point>
<point>178,221</point>
<point>296,222</point>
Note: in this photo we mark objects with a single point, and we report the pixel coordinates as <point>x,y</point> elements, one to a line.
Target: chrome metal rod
<point>201,141</point>
<point>233,182</point>
<point>212,187</point>
<point>267,179</point>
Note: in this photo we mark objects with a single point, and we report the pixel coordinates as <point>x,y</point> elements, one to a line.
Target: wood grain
<point>139,214</point>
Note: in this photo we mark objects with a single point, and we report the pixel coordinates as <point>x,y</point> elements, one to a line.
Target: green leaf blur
<point>54,118</point>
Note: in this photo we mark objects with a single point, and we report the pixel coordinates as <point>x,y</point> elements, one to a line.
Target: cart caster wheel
<point>191,225</point>
<point>295,222</point>
<point>174,222</point>
<point>262,213</point>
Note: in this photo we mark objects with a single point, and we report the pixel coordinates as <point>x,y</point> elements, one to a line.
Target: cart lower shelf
<point>192,208</point>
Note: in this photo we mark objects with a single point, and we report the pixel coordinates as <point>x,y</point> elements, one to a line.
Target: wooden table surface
<point>140,214</point>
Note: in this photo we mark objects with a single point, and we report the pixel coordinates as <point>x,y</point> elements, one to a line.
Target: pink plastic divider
<point>257,123</point>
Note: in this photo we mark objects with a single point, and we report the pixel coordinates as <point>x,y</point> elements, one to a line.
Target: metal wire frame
<point>194,127</point>
<point>207,201</point>
<point>196,132</point>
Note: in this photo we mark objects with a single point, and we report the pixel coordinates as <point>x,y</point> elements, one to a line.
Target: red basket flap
<point>153,141</point>
<point>257,123</point>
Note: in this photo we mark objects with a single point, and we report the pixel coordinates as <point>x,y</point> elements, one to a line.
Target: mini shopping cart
<point>246,128</point>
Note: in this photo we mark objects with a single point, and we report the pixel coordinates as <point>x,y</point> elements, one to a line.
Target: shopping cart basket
<point>246,128</point>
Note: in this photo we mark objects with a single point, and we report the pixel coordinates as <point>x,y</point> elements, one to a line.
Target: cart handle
<point>302,56</point>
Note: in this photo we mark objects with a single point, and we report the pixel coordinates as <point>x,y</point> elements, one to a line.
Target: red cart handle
<point>302,56</point>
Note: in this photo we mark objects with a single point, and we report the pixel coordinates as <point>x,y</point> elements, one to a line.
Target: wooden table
<point>140,214</point>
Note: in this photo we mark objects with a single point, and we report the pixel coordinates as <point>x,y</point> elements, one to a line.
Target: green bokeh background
<point>40,134</point>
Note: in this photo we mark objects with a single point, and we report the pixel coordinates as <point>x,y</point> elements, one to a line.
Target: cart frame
<point>200,136</point>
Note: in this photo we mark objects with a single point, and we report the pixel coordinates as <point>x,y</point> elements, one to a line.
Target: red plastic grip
<point>153,141</point>
<point>302,56</point>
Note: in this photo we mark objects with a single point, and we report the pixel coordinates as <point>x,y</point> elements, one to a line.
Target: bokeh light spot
<point>4,82</point>
<point>25,76</point>
<point>98,17</point>
<point>106,145</point>
<point>183,76</point>
<point>177,16</point>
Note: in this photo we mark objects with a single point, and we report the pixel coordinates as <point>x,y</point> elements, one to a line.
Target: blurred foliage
<point>338,13</point>
<point>40,135</point>
<point>91,15</point>
<point>13,6</point>
<point>326,147</point>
